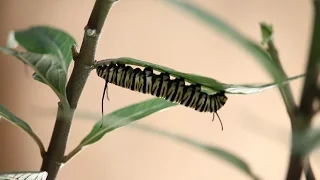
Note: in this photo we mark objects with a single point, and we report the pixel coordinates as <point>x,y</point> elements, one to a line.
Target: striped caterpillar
<point>145,81</point>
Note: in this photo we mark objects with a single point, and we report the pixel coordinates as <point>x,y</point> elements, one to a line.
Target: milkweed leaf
<point>209,85</point>
<point>49,70</point>
<point>47,40</point>
<point>120,118</point>
<point>10,117</point>
<point>24,176</point>
<point>125,116</point>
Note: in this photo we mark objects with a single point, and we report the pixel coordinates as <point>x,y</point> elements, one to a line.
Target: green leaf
<point>219,25</point>
<point>49,55</point>
<point>120,118</point>
<point>256,88</point>
<point>6,114</point>
<point>125,116</point>
<point>48,68</point>
<point>211,150</point>
<point>24,176</point>
<point>209,85</point>
<point>266,32</point>
<point>47,40</point>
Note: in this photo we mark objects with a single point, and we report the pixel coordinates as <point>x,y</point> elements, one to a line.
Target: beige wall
<point>256,126</point>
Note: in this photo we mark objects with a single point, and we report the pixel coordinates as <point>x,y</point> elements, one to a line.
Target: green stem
<point>55,155</point>
<point>291,107</point>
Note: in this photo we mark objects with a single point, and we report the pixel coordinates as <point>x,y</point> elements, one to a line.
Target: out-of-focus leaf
<point>10,117</point>
<point>222,27</point>
<point>211,150</point>
<point>48,68</point>
<point>24,176</point>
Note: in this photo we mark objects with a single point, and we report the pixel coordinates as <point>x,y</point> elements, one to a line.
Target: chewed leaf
<point>47,40</point>
<point>211,150</point>
<point>24,176</point>
<point>7,115</point>
<point>209,85</point>
<point>125,116</point>
<point>48,70</point>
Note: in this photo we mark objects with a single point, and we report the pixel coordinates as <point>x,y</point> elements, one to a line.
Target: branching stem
<point>82,67</point>
<point>305,111</point>
<point>300,117</point>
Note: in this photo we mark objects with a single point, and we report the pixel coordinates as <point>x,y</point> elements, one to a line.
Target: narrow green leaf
<point>217,24</point>
<point>49,70</point>
<point>120,118</point>
<point>47,40</point>
<point>209,85</point>
<point>256,88</point>
<point>6,114</point>
<point>24,176</point>
<point>211,150</point>
<point>125,116</point>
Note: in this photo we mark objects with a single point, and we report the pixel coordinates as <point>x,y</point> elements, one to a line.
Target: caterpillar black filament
<point>161,86</point>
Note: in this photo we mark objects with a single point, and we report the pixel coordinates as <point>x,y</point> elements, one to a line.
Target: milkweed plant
<point>49,52</point>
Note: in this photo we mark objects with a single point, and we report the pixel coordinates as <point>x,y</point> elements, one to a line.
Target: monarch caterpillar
<point>145,81</point>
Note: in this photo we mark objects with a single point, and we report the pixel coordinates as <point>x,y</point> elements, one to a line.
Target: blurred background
<point>257,127</point>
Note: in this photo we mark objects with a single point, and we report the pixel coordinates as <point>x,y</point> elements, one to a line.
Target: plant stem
<point>300,117</point>
<point>86,56</point>
<point>308,171</point>
<point>310,88</point>
<point>52,159</point>
<point>56,150</point>
<point>309,94</point>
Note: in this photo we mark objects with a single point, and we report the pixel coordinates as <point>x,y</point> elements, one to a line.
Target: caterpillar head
<point>222,97</point>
